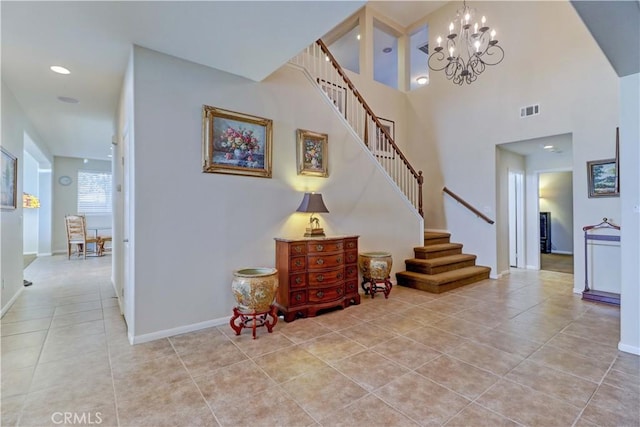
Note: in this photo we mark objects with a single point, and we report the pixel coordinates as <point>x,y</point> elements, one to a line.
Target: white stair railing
<point>333,81</point>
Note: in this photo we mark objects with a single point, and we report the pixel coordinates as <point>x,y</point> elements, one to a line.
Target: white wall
<point>462,125</point>
<point>630,215</point>
<point>30,185</point>
<point>193,229</point>
<point>65,198</point>
<point>14,126</point>
<point>556,196</point>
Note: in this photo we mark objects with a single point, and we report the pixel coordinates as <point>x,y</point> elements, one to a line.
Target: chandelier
<point>469,50</point>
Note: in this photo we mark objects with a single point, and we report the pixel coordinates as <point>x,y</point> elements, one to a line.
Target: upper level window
<point>94,192</point>
<point>418,57</point>
<point>346,49</point>
<point>385,55</point>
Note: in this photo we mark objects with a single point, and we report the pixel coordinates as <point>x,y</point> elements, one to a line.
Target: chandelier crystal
<point>469,50</point>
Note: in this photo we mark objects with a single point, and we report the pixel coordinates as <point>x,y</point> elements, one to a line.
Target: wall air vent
<point>530,110</point>
<point>424,48</point>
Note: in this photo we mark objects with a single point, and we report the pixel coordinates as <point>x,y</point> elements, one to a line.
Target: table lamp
<point>312,203</point>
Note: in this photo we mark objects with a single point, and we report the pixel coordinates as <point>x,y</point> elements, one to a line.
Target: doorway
<point>516,219</point>
<point>555,197</point>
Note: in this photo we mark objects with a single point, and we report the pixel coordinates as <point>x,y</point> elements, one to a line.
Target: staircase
<point>440,266</point>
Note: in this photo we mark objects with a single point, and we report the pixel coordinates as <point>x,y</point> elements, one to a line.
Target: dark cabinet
<point>545,232</point>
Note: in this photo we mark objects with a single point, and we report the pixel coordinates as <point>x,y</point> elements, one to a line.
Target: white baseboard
<point>45,254</point>
<point>629,348</point>
<point>11,301</point>
<point>532,267</point>
<point>562,252</point>
<point>578,291</point>
<point>30,253</point>
<point>139,339</point>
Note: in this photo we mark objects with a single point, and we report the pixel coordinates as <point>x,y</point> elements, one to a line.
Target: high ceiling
<point>93,40</point>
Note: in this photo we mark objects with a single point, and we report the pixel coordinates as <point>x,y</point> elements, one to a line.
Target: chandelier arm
<point>438,56</point>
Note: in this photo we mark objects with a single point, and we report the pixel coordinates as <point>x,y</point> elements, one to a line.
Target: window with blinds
<point>94,192</point>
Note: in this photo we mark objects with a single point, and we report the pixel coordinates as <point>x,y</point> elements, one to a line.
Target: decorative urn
<point>255,289</point>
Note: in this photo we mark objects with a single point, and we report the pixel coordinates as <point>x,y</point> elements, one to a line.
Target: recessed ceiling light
<point>358,36</point>
<point>85,161</point>
<point>68,100</point>
<point>60,70</point>
<point>109,155</point>
<point>548,147</point>
<point>387,50</point>
<point>422,80</point>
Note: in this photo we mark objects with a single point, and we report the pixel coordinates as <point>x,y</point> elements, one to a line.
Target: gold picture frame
<point>236,143</point>
<point>312,153</point>
<point>9,179</point>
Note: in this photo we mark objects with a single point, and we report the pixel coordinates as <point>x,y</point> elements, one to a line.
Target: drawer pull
<point>339,276</point>
<point>298,263</point>
<point>350,245</point>
<point>339,259</point>
<point>319,294</point>
<point>298,297</point>
<point>320,261</point>
<point>351,286</point>
<point>351,258</point>
<point>350,271</point>
<point>298,280</point>
<point>339,290</point>
<point>339,245</point>
<point>319,247</point>
<point>298,249</point>
<point>319,277</point>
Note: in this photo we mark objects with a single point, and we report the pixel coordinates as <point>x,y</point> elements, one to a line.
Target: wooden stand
<point>588,293</point>
<point>253,320</point>
<point>374,287</point>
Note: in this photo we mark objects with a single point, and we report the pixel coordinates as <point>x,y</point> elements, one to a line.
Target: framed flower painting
<point>236,143</point>
<point>312,153</point>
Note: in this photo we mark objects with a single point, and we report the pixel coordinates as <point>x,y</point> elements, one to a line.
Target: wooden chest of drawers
<point>316,274</point>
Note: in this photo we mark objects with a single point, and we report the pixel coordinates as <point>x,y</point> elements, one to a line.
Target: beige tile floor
<point>517,351</point>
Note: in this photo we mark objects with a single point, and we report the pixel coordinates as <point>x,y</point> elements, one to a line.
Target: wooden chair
<point>77,235</point>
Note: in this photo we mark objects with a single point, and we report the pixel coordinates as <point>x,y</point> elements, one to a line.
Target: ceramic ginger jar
<point>375,265</point>
<point>255,289</point>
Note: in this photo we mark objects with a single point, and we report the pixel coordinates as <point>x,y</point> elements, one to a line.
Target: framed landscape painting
<point>9,191</point>
<point>312,153</point>
<point>236,143</point>
<point>603,178</point>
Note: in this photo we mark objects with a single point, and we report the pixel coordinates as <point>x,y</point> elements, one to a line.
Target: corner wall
<point>194,229</point>
<point>14,126</point>
<point>630,213</point>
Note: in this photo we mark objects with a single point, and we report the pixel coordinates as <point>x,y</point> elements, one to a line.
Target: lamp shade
<point>312,203</point>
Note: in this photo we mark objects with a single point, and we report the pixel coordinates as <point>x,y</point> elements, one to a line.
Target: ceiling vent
<point>424,48</point>
<point>530,110</point>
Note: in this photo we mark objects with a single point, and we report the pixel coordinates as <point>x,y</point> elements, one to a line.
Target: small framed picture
<point>9,193</point>
<point>235,143</point>
<point>382,147</point>
<point>335,93</point>
<point>603,178</point>
<point>312,153</point>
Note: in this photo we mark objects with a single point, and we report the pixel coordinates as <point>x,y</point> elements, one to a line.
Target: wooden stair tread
<point>449,259</point>
<point>438,247</point>
<point>448,276</point>
<point>436,235</point>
